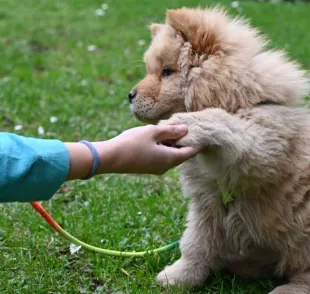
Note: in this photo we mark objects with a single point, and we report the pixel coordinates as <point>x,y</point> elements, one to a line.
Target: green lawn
<point>47,70</point>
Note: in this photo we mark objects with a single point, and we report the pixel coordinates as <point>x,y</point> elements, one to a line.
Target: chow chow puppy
<point>250,186</point>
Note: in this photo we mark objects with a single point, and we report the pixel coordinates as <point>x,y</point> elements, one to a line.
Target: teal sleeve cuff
<point>31,169</point>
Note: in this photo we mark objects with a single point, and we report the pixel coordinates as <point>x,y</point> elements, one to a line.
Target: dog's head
<point>203,58</point>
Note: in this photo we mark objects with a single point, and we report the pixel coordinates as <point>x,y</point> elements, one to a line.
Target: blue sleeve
<point>31,169</point>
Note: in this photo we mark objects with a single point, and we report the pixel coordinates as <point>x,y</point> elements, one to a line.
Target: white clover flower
<point>91,48</point>
<point>18,127</point>
<point>141,43</point>
<point>74,248</point>
<point>53,119</point>
<point>99,12</point>
<point>83,83</point>
<point>234,4</point>
<point>41,130</point>
<point>104,6</point>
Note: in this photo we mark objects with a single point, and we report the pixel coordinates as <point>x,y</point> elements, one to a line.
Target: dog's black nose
<point>132,94</point>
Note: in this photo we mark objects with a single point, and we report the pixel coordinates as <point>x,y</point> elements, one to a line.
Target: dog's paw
<point>181,275</point>
<point>291,289</point>
<point>193,135</point>
<point>191,139</point>
<point>178,119</point>
<point>168,277</point>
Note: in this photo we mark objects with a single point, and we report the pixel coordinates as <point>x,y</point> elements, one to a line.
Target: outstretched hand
<point>142,150</point>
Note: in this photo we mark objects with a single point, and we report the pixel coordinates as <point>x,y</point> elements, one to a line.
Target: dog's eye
<point>166,72</point>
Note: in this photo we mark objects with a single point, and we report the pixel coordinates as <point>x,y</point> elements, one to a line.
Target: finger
<point>172,132</point>
<point>177,156</point>
<point>184,153</point>
<point>188,152</point>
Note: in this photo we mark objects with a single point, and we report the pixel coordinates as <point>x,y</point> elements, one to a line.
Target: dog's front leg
<point>243,146</point>
<point>298,284</point>
<point>200,252</point>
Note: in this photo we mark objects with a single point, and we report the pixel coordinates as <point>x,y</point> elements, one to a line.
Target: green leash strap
<point>38,207</point>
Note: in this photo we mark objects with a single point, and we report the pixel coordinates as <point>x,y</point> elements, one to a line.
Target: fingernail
<point>183,128</point>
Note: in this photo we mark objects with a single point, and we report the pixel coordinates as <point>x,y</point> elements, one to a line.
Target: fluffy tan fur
<point>209,71</point>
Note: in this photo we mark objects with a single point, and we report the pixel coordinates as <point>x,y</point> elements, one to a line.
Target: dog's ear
<point>180,20</point>
<point>197,27</point>
<point>155,28</point>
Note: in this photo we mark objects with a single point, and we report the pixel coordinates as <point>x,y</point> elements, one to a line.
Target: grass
<point>46,70</point>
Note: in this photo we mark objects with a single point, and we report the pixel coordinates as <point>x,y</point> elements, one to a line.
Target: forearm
<point>31,169</point>
<point>34,169</point>
<point>81,159</point>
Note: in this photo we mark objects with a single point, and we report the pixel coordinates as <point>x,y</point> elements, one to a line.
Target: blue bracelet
<point>96,160</point>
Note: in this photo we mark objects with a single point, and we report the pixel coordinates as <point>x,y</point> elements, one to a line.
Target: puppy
<point>250,186</point>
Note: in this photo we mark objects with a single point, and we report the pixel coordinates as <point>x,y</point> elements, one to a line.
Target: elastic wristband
<point>96,160</point>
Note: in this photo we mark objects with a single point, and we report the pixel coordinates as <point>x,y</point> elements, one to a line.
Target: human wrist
<point>109,155</point>
<point>96,159</point>
<point>81,161</point>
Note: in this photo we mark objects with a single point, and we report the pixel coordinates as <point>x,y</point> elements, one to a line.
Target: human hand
<point>140,150</point>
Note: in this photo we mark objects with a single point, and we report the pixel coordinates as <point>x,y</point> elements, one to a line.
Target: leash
<point>39,208</point>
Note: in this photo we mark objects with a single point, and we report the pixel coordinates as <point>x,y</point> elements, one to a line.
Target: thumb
<point>170,132</point>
